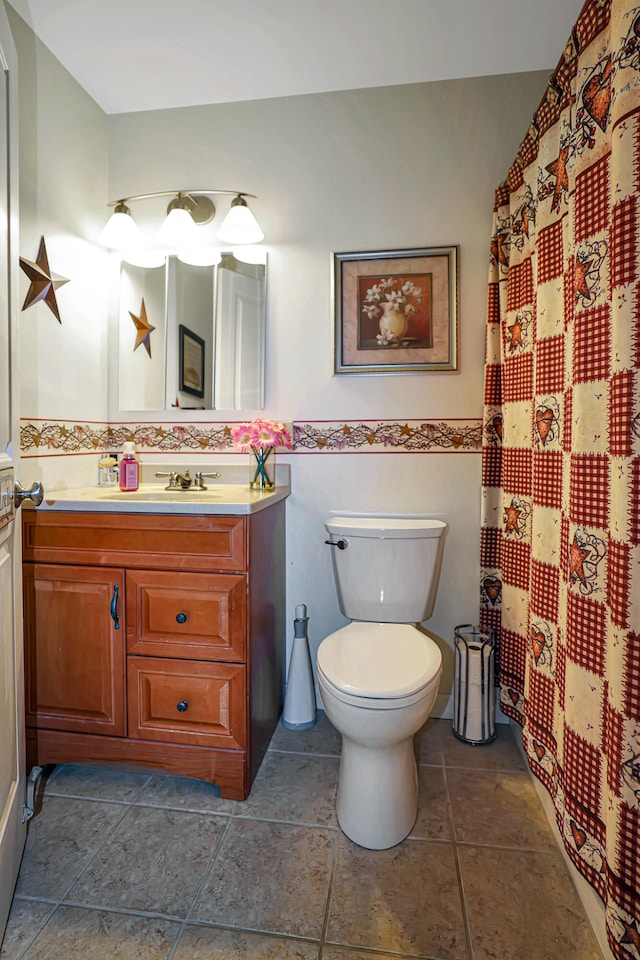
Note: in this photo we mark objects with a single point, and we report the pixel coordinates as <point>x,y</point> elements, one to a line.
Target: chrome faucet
<point>183,481</point>
<point>177,481</point>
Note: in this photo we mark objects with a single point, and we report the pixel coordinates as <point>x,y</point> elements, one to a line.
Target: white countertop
<point>220,499</point>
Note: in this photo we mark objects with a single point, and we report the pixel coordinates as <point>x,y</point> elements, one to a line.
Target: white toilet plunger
<point>300,700</point>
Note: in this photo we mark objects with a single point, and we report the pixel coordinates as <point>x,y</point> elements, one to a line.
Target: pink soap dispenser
<point>129,469</point>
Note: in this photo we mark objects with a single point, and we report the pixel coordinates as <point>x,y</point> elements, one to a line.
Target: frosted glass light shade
<point>144,257</point>
<point>120,232</point>
<point>178,230</point>
<point>240,226</point>
<point>200,256</point>
<point>250,254</point>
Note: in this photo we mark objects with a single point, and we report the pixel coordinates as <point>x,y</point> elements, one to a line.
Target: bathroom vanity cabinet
<point>154,641</point>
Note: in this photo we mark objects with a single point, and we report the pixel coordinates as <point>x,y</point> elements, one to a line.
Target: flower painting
<point>396,311</point>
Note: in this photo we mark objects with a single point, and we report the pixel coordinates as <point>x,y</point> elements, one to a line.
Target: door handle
<point>35,494</point>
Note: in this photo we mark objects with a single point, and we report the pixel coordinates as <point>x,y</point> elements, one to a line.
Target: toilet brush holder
<point>300,712</point>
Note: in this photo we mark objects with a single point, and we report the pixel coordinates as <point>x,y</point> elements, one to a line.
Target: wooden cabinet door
<point>75,648</point>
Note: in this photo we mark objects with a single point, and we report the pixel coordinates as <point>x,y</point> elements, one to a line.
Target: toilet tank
<point>387,570</point>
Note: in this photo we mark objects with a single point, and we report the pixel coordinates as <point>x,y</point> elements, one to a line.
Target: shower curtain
<point>560,542</point>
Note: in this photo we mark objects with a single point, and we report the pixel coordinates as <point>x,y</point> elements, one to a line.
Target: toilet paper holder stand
<point>474,692</point>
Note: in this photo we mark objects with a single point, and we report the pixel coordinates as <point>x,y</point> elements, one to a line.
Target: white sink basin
<point>156,496</point>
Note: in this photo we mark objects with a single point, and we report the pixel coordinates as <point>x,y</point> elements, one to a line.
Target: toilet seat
<point>391,663</point>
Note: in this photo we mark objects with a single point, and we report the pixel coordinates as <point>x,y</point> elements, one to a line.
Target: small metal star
<point>44,283</point>
<point>143,327</point>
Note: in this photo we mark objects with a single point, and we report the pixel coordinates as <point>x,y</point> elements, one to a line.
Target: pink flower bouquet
<point>261,437</point>
<point>260,433</point>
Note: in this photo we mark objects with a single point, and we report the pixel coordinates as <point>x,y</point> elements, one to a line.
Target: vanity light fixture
<point>188,210</point>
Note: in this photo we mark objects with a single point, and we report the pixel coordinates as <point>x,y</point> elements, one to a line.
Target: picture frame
<point>191,362</point>
<point>396,311</point>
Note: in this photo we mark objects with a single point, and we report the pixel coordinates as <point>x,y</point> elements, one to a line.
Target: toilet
<point>379,676</point>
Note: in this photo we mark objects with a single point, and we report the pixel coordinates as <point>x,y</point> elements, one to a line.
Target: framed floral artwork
<point>396,311</point>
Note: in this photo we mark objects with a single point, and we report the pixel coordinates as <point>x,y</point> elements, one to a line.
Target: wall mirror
<point>192,337</point>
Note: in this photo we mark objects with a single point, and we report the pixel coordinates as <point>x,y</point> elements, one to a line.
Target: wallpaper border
<point>40,438</point>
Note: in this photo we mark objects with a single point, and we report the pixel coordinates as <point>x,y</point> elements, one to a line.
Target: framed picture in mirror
<point>191,362</point>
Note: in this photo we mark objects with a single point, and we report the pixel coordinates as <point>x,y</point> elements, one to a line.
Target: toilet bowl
<point>378,676</point>
<point>378,711</point>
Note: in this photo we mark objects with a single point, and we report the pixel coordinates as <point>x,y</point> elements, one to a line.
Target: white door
<point>239,356</point>
<point>12,761</point>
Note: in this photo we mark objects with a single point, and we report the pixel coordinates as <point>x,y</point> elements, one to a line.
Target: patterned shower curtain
<point>560,547</point>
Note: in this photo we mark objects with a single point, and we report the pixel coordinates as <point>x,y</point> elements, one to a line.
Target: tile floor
<point>122,865</point>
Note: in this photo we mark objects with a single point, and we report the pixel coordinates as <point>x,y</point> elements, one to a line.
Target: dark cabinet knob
<point>182,706</point>
<point>181,618</point>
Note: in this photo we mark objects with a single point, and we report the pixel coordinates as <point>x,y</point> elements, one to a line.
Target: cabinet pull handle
<point>181,617</point>
<point>114,607</point>
<point>182,706</point>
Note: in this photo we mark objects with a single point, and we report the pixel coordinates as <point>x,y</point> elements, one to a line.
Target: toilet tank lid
<point>386,528</point>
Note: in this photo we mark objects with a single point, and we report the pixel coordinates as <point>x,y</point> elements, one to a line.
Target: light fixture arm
<point>185,193</point>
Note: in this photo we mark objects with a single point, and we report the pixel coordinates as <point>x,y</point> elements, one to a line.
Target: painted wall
<point>391,168</point>
<point>63,184</point>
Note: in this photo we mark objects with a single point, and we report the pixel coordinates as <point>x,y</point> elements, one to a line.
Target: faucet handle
<point>173,479</point>
<point>199,477</point>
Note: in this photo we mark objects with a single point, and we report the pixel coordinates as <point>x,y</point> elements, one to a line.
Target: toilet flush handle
<point>340,544</point>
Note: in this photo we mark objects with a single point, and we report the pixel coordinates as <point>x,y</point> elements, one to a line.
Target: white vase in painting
<point>393,321</point>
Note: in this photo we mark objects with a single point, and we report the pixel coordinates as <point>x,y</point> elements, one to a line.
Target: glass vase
<point>262,472</point>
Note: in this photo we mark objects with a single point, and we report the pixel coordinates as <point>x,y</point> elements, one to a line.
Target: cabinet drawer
<point>197,616</point>
<point>136,540</point>
<point>186,701</point>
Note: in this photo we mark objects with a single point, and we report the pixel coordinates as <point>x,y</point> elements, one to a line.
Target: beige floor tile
<point>503,753</point>
<point>432,821</point>
<point>60,841</point>
<point>272,877</point>
<point>95,783</point>
<point>348,953</point>
<point>74,933</point>
<point>184,793</point>
<point>428,741</point>
<point>294,787</point>
<point>498,808</point>
<point>402,900</point>
<point>25,919</point>
<point>523,904</point>
<point>153,861</point>
<point>210,943</point>
<point>323,738</point>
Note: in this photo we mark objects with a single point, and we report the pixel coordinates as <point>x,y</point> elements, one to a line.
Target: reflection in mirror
<point>192,336</point>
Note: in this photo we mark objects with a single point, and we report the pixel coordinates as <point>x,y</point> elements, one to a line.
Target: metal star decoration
<point>43,282</point>
<point>143,327</point>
